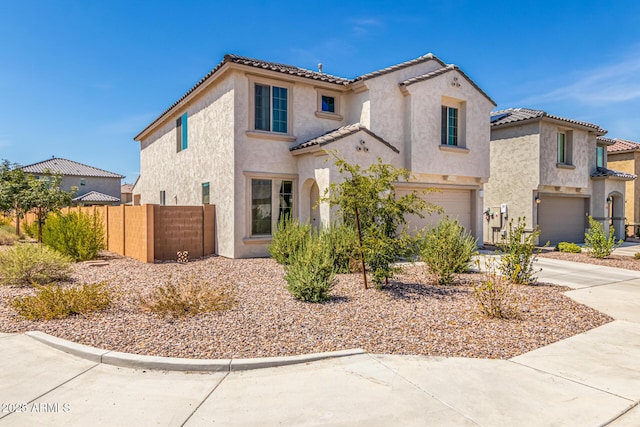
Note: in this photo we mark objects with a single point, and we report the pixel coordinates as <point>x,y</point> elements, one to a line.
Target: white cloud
<point>362,26</point>
<point>604,85</point>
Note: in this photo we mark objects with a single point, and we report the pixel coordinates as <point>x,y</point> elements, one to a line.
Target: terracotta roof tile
<point>337,134</point>
<point>620,145</point>
<point>68,167</point>
<point>513,115</point>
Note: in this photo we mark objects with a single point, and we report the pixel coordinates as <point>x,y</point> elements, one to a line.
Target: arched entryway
<point>310,210</point>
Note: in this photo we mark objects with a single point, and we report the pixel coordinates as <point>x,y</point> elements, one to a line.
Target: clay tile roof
<point>421,59</point>
<point>126,188</point>
<point>96,197</point>
<point>620,145</point>
<point>443,70</point>
<point>68,167</point>
<point>337,134</point>
<point>605,172</point>
<point>513,115</point>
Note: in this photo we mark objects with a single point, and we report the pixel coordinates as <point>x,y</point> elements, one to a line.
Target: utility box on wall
<point>495,218</point>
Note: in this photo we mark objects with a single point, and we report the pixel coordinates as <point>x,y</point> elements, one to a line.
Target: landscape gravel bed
<point>411,315</point>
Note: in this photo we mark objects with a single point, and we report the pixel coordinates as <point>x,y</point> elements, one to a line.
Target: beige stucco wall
<point>104,185</point>
<point>628,162</point>
<point>583,157</point>
<point>515,174</point>
<point>209,157</point>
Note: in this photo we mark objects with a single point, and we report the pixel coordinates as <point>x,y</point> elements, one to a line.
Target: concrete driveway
<point>588,380</point>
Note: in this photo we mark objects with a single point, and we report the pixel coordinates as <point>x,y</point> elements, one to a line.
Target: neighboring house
<point>624,155</point>
<point>126,194</point>
<point>250,137</point>
<point>93,186</point>
<point>553,172</point>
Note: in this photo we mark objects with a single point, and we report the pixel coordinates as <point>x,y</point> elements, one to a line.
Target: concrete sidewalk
<point>588,380</point>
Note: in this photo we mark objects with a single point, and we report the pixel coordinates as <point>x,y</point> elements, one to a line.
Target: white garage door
<point>561,219</point>
<point>456,204</point>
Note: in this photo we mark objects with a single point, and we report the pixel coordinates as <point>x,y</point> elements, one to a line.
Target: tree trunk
<point>364,269</point>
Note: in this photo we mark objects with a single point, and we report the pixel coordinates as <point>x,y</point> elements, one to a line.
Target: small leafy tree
<point>13,184</point>
<point>518,253</point>
<point>368,202</point>
<point>596,241</point>
<point>447,249</point>
<point>45,196</point>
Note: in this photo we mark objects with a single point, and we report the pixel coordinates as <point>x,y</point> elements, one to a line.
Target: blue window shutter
<point>185,142</point>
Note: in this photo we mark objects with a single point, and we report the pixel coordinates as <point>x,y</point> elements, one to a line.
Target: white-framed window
<point>182,135</point>
<point>83,182</point>
<point>564,147</point>
<point>450,125</point>
<point>271,108</point>
<point>600,156</point>
<point>271,200</point>
<point>163,198</point>
<point>328,104</point>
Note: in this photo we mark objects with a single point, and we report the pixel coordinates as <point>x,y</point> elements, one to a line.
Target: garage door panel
<point>561,219</point>
<point>455,203</point>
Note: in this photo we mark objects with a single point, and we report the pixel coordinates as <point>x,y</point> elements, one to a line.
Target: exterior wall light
<point>537,200</point>
<point>609,200</point>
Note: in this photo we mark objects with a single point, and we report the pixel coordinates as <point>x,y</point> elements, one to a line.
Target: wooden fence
<point>153,232</point>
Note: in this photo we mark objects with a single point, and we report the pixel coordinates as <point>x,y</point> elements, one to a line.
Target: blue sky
<point>79,79</point>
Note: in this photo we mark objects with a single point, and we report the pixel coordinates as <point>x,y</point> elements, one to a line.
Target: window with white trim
<point>271,200</point>
<point>271,108</point>
<point>564,146</point>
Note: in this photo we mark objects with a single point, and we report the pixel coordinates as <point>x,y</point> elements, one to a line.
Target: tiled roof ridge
<point>34,166</point>
<point>619,144</point>
<point>339,133</point>
<point>96,196</point>
<point>534,114</point>
<point>443,70</point>
<point>604,172</point>
<point>428,57</point>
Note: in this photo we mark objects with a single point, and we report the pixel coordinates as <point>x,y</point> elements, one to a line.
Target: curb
<point>136,361</point>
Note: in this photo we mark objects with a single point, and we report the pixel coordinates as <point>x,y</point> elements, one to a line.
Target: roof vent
<point>320,68</point>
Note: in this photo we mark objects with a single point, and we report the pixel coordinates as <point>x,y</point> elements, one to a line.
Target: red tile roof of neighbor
<point>620,145</point>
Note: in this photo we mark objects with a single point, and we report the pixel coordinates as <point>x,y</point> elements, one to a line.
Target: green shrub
<point>568,247</point>
<point>31,264</point>
<point>518,254</point>
<point>289,236</point>
<point>596,241</point>
<point>311,273</point>
<point>55,302</point>
<point>79,235</point>
<point>341,241</point>
<point>447,249</point>
<point>494,295</point>
<point>8,235</point>
<point>187,297</point>
<point>30,229</point>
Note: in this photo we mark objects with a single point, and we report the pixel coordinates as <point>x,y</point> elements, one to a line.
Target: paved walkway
<point>588,380</point>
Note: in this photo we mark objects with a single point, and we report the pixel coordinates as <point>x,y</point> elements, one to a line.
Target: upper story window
<point>600,156</point>
<point>83,182</point>
<point>450,125</point>
<point>271,108</point>
<point>205,193</point>
<point>328,104</point>
<point>182,140</point>
<point>564,145</point>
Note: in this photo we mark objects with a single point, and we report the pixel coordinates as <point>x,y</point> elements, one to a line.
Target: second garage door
<point>456,204</point>
<point>562,219</point>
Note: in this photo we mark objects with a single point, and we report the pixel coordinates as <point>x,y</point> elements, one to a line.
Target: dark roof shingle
<point>605,172</point>
<point>96,197</point>
<point>337,134</point>
<point>513,115</point>
<point>68,167</point>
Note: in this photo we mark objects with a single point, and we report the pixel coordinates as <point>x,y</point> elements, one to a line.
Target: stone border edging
<point>128,360</point>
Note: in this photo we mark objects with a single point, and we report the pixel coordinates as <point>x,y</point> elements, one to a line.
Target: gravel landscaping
<point>617,261</point>
<point>409,316</point>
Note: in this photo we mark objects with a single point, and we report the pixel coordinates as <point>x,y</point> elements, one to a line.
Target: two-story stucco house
<point>624,155</point>
<point>553,172</point>
<point>93,186</point>
<point>250,137</point>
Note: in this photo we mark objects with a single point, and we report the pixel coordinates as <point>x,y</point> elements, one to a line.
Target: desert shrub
<point>568,247</point>
<point>79,235</point>
<point>55,302</point>
<point>447,249</point>
<point>30,228</point>
<point>494,295</point>
<point>596,241</point>
<point>311,273</point>
<point>341,241</point>
<point>288,238</point>
<point>636,255</point>
<point>8,235</point>
<point>187,296</point>
<point>31,264</point>
<point>518,254</point>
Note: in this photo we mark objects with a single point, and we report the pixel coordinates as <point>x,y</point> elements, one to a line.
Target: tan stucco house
<point>624,155</point>
<point>553,172</point>
<point>250,137</point>
<point>94,186</point>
